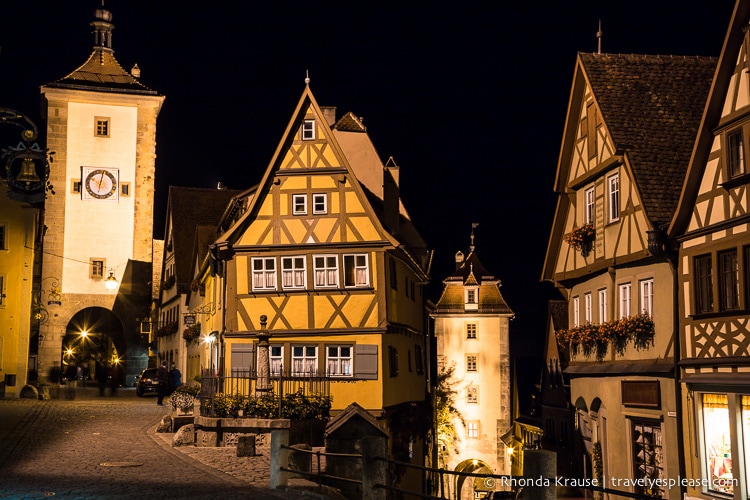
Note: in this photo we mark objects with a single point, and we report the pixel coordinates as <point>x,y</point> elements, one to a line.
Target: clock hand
<point>101,179</point>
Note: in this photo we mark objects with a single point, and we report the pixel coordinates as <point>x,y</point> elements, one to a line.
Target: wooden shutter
<point>366,361</point>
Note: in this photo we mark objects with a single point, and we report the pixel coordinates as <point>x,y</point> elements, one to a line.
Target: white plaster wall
<point>98,228</point>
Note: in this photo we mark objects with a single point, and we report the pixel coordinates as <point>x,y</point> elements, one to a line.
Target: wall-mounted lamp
<point>111,282</point>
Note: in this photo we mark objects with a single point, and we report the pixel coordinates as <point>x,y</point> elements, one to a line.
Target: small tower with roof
<point>472,323</point>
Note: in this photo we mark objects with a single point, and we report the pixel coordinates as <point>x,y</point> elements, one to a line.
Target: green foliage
<point>446,413</point>
<point>295,406</point>
<point>598,464</point>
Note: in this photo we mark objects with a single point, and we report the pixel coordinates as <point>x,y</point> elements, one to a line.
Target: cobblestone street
<point>96,447</point>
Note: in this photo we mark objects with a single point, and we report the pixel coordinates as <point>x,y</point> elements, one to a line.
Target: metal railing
<point>246,383</point>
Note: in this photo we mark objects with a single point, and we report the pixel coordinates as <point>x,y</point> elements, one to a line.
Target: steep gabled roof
<point>733,41</point>
<point>652,107</point>
<point>189,208</point>
<point>101,71</point>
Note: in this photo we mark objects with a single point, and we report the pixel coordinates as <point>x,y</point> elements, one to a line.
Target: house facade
<point>631,123</point>
<point>101,124</point>
<point>326,261</point>
<point>471,324</point>
<point>711,226</point>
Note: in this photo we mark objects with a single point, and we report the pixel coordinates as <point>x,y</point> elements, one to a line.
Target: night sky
<point>470,99</point>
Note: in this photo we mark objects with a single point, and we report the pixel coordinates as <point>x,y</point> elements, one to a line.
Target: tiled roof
<point>472,273</point>
<point>652,106</point>
<point>102,72</point>
<point>188,209</point>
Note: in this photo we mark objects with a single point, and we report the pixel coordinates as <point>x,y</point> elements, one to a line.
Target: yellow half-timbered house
<point>327,254</point>
<point>712,226</point>
<point>630,128</point>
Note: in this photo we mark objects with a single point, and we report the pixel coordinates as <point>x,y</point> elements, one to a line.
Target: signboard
<point>641,393</point>
<point>189,319</point>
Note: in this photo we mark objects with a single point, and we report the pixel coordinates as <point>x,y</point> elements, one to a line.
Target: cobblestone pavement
<point>97,447</point>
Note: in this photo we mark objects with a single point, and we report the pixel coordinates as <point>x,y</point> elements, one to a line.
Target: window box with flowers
<point>596,339</point>
<point>167,330</point>
<point>581,238</point>
<point>192,333</point>
<point>168,283</point>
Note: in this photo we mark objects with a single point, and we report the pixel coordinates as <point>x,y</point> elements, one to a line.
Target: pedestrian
<point>174,379</point>
<point>85,372</point>
<point>101,377</point>
<point>162,376</point>
<point>113,379</point>
<point>71,373</point>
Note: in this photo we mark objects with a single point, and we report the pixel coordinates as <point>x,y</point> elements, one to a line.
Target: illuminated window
<point>717,441</point>
<point>648,455</point>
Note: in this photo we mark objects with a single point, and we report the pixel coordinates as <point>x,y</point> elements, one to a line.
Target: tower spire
<point>103,27</point>
<point>473,226</point>
<point>599,38</point>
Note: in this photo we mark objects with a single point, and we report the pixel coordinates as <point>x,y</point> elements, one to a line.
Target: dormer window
<point>308,130</point>
<point>470,299</point>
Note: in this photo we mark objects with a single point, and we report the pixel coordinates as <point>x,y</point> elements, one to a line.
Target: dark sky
<point>469,98</point>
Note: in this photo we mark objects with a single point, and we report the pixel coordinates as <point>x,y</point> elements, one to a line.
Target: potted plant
<point>581,238</point>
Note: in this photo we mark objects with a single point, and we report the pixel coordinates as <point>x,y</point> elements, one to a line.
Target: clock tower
<point>101,125</point>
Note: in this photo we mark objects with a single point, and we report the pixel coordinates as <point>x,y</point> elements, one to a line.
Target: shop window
<point>648,456</point>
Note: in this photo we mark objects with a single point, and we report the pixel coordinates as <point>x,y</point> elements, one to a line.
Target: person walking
<point>71,373</point>
<point>162,376</point>
<point>101,377</point>
<point>174,379</point>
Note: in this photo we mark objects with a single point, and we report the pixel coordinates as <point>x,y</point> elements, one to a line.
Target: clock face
<point>101,184</point>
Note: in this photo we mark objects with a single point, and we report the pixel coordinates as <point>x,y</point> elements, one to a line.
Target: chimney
<point>329,113</point>
<point>391,199</point>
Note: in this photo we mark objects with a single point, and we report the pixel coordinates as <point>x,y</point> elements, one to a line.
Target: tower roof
<point>101,71</point>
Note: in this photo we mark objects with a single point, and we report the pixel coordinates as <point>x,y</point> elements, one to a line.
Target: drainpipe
<point>658,246</point>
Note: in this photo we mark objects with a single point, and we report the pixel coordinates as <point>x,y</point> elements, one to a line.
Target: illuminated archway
<point>94,338</point>
<point>471,465</point>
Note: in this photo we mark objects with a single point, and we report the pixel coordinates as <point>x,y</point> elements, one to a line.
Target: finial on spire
<point>599,37</point>
<point>473,226</point>
<point>307,77</point>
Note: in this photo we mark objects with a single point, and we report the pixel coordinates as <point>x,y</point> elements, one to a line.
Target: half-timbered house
<point>328,257</point>
<point>712,226</point>
<point>626,144</point>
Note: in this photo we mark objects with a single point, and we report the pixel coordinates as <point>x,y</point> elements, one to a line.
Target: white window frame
<point>308,130</point>
<point>340,364</point>
<point>359,275</point>
<point>576,311</point>
<point>589,205</point>
<point>625,297</point>
<point>292,276</point>
<point>299,204</point>
<point>647,296</point>
<point>264,277</point>
<point>472,429</point>
<point>587,307</point>
<point>304,362</point>
<point>603,305</point>
<point>276,359</point>
<point>320,203</point>
<point>326,276</point>
<point>613,196</point>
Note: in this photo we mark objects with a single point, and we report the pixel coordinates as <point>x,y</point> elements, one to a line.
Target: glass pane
<point>333,351</point>
<point>717,442</point>
<point>309,351</point>
<point>346,352</point>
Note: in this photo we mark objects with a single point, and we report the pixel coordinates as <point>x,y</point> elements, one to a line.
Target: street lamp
<point>111,282</point>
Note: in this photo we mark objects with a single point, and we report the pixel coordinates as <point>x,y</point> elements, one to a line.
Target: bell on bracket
<point>28,172</point>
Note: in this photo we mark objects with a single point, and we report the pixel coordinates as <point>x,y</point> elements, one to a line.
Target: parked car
<point>148,381</point>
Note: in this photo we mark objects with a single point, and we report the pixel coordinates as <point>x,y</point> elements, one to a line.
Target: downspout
<point>657,245</point>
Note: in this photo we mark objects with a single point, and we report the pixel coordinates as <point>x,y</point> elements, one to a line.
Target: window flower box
<point>581,238</point>
<point>596,339</point>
